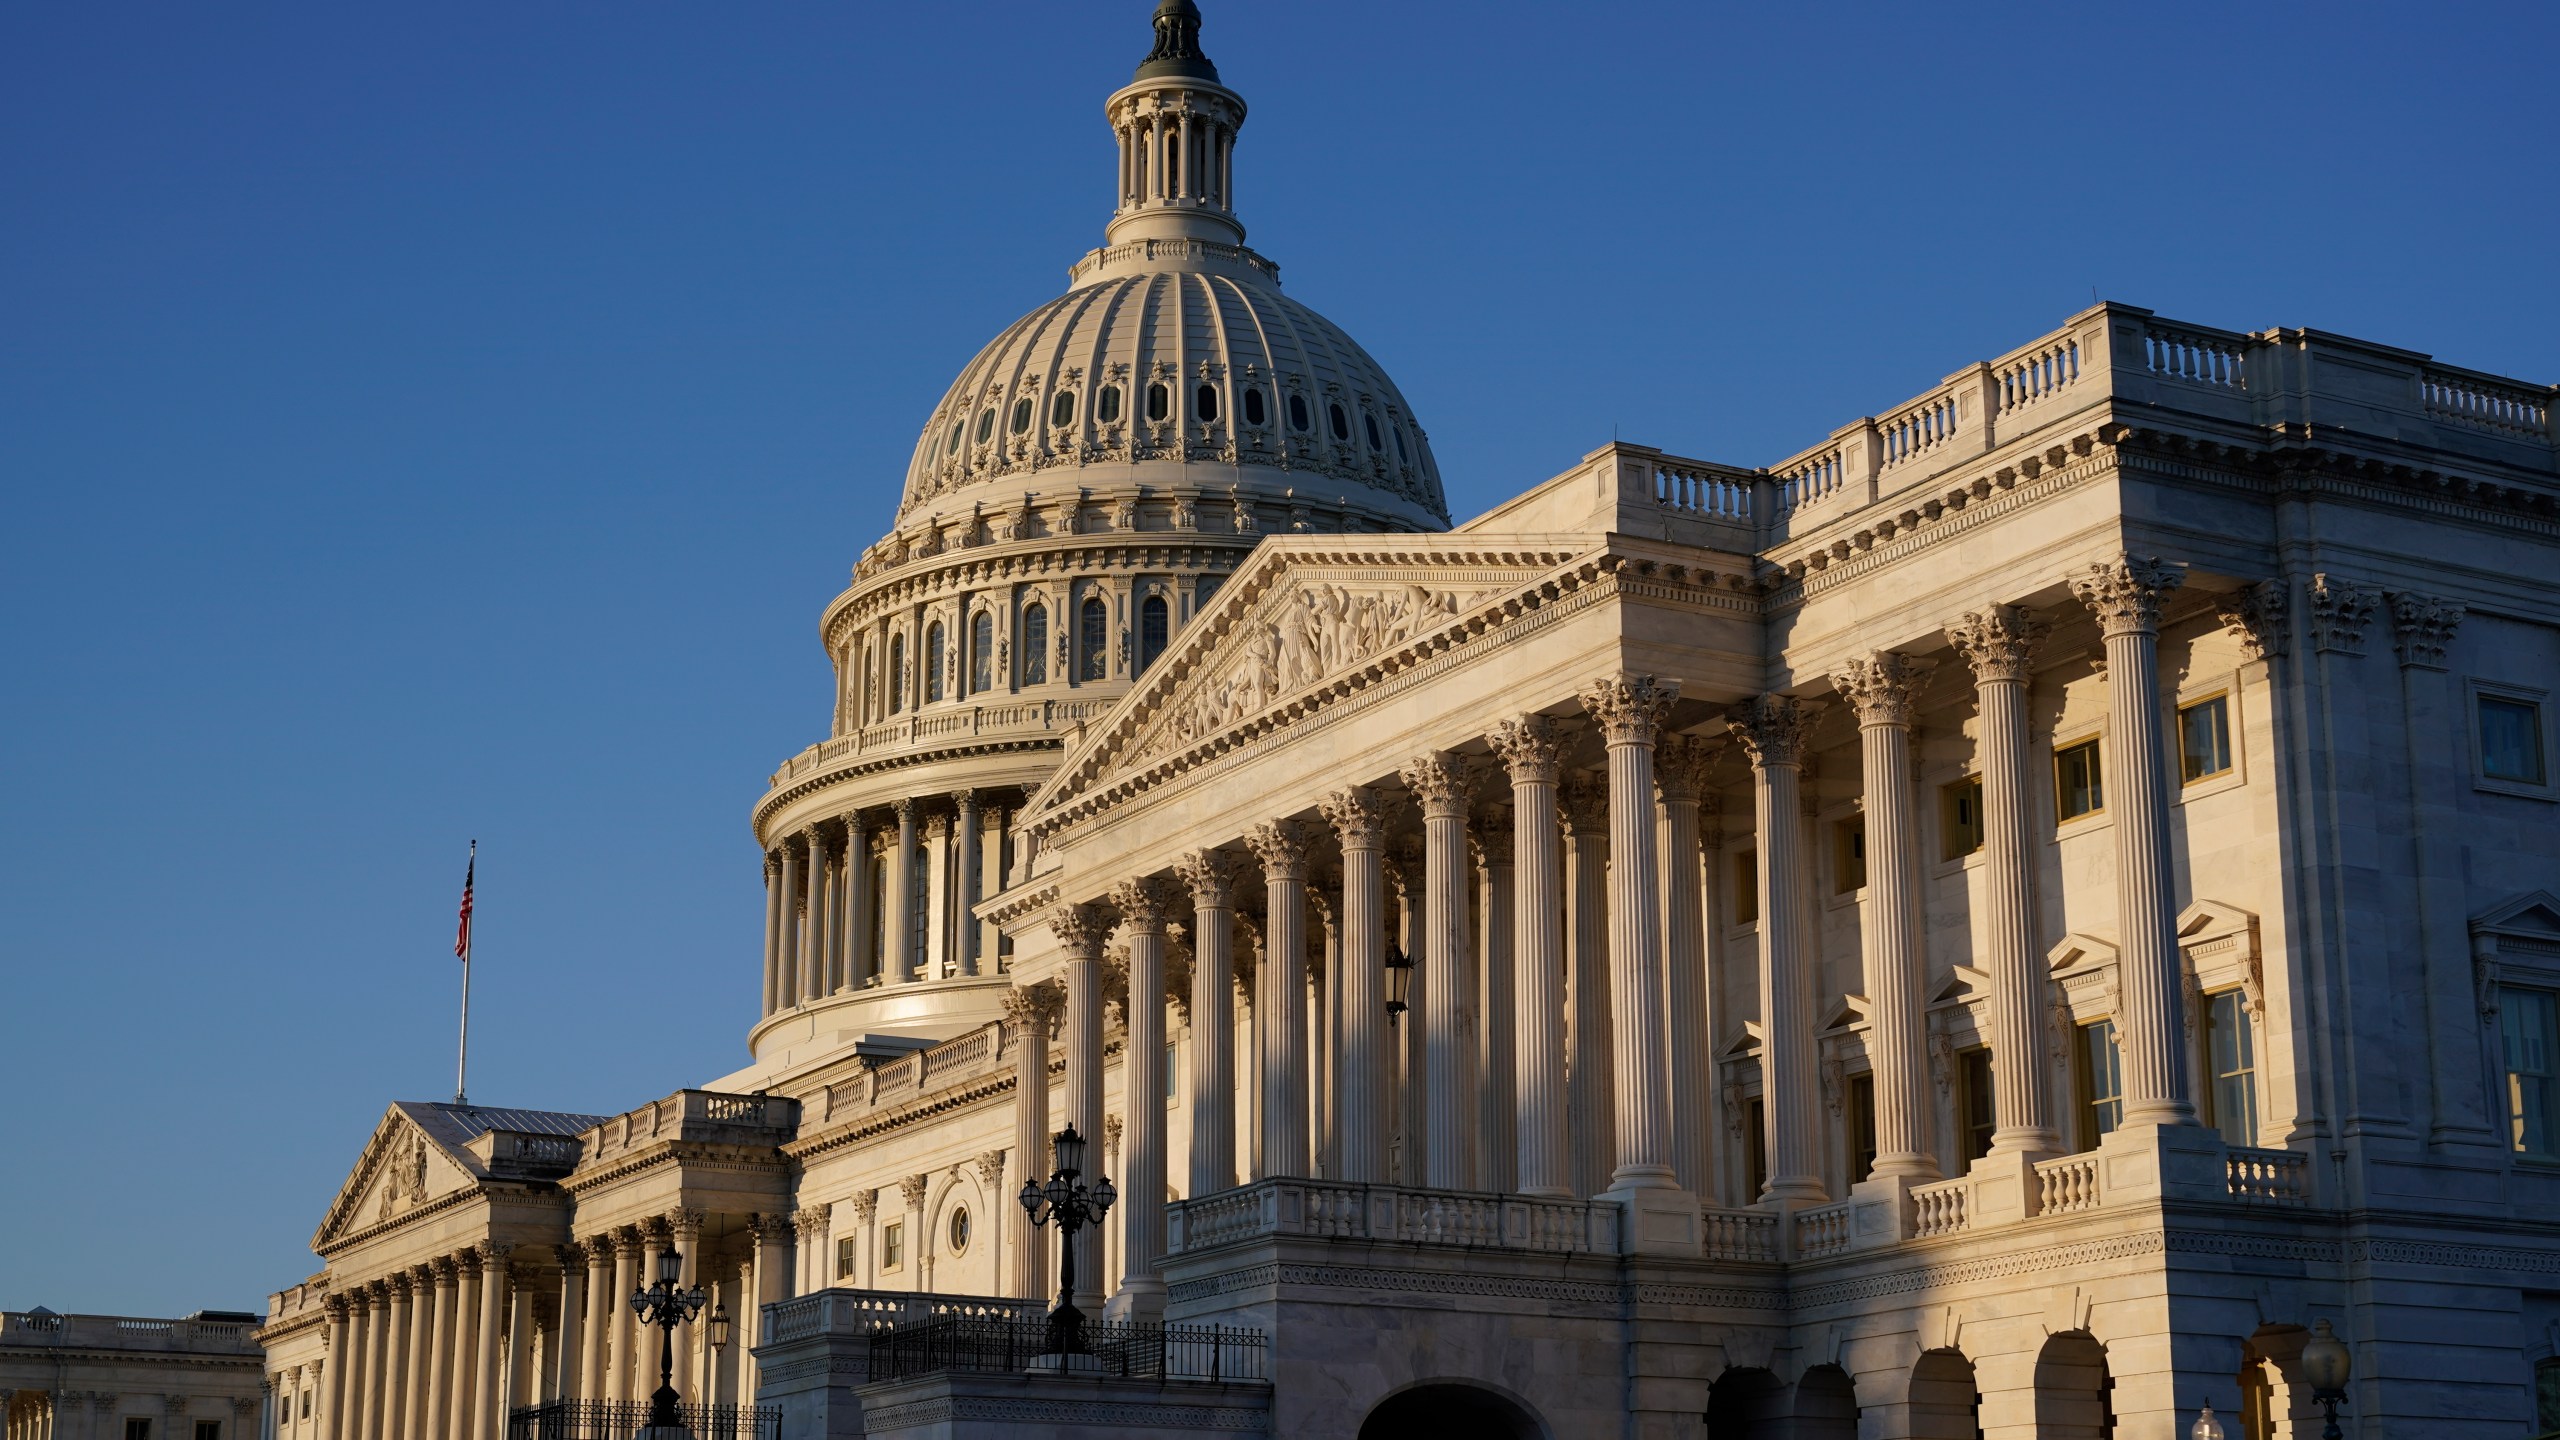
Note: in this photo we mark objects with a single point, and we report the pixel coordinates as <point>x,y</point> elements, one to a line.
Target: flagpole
<point>462,1055</point>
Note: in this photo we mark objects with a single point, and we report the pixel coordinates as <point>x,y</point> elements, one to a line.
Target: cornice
<point>956,1098</point>
<point>957,748</point>
<point>689,1154</point>
<point>1020,561</point>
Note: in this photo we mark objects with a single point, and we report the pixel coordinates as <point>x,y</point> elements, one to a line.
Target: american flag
<point>462,935</point>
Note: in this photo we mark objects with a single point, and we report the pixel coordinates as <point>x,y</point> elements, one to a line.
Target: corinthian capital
<point>2423,626</point>
<point>2339,612</point>
<point>1039,1005</point>
<point>1772,729</point>
<point>1999,643</point>
<point>1142,904</point>
<point>1881,685</point>
<point>1281,846</point>
<point>1358,817</point>
<point>1211,874</point>
<point>1081,928</point>
<point>1630,709</point>
<point>1585,801</point>
<point>1439,783</point>
<point>2256,615</point>
<point>2124,593</point>
<point>1532,746</point>
<point>1681,764</point>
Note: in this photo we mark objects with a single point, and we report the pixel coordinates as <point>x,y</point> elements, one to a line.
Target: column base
<point>1139,1302</point>
<point>1656,1220</point>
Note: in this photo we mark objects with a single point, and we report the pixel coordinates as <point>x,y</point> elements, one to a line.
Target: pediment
<point>2075,952</point>
<point>2534,915</point>
<point>402,1169</point>
<point>1307,619</point>
<point>1848,1012</point>
<point>2206,921</point>
<point>1963,982</point>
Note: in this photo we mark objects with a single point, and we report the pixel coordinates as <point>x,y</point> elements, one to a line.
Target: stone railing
<point>1945,1208</point>
<point>2216,359</point>
<point>128,1332</point>
<point>1336,1210</point>
<point>527,1153</point>
<point>2484,402</point>
<point>940,722</point>
<point>1738,1234</point>
<point>860,1312</point>
<point>2278,1177</point>
<point>2068,1184</point>
<point>1821,1230</point>
<point>693,1115</point>
<point>1703,490</point>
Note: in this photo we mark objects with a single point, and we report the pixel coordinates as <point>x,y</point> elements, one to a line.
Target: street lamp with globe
<point>1070,1205</point>
<point>2327,1364</point>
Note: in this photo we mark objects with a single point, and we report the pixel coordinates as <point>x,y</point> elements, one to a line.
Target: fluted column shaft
<point>1449,1103</point>
<point>1360,1071</point>
<point>787,956</point>
<point>517,1386</point>
<point>569,1367</point>
<point>456,1382</point>
<point>813,945</point>
<point>1682,776</point>
<point>420,1387</point>
<point>1630,710</point>
<point>617,1336</point>
<point>489,1381</point>
<point>1882,686</point>
<point>1211,879</point>
<point>440,1361</point>
<point>2000,645</point>
<point>1143,1161</point>
<point>397,1366</point>
<point>595,1338</point>
<point>1591,1081</point>
<point>964,879</point>
<point>1029,1011</point>
<point>333,1378</point>
<point>2125,596</point>
<point>1773,729</point>
<point>377,1319</point>
<point>772,932</point>
<point>1530,749</point>
<point>899,964</point>
<point>1280,1021</point>
<point>861,927</point>
<point>1081,930</point>
<point>1497,1069</point>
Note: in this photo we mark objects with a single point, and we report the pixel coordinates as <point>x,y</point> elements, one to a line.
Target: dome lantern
<point>1177,128</point>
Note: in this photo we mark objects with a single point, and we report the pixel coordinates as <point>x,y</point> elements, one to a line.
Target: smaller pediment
<point>2534,915</point>
<point>1743,1042</point>
<point>1963,983</point>
<point>2076,952</point>
<point>1848,1012</point>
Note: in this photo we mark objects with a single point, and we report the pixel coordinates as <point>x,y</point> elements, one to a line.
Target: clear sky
<point>428,422</point>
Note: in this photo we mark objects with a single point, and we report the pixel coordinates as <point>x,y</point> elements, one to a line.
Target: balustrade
<point>2484,404</point>
<point>2068,1184</point>
<point>1808,479</point>
<point>2275,1176</point>
<point>1711,492</point>
<point>1739,1234</point>
<point>2197,357</point>
<point>1945,1208</point>
<point>1331,1210</point>
<point>1916,429</point>
<point>1822,1230</point>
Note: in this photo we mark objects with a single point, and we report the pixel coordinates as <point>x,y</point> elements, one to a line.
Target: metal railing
<point>620,1420</point>
<point>1163,1352</point>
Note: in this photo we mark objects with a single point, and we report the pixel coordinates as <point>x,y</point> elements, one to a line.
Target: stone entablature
<point>70,1376</point>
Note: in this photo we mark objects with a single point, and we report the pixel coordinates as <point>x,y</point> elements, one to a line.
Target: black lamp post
<point>1070,1205</point>
<point>666,1305</point>
<point>1399,981</point>
<point>2326,1363</point>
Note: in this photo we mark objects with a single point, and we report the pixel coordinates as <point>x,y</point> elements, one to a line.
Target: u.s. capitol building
<point>1998,923</point>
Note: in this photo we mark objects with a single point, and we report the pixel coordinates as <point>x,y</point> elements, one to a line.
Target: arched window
<point>1401,453</point>
<point>1021,415</point>
<point>1376,441</point>
<point>1341,422</point>
<point>1035,645</point>
<point>897,673</point>
<point>1062,410</point>
<point>986,424</point>
<point>954,444</point>
<point>1297,417</point>
<point>982,653</point>
<point>1106,405</point>
<point>1155,626</point>
<point>1205,401</point>
<point>1159,402</point>
<point>1093,639</point>
<point>934,654</point>
<point>1253,411</point>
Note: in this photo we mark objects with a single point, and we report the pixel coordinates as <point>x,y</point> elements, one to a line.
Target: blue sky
<point>420,423</point>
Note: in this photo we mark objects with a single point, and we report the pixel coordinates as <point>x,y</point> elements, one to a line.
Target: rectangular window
<point>1862,1127</point>
<point>893,1245</point>
<point>1977,1113</point>
<point>137,1430</point>
<point>2076,784</point>
<point>208,1430</point>
<point>1755,1161</point>
<point>2204,739</point>
<point>1172,1074</point>
<point>2529,1024</point>
<point>1960,817</point>
<point>1746,887</point>
<point>2511,739</point>
<point>2231,1061</point>
<point>1849,855</point>
<point>2097,1073</point>
<point>844,1258</point>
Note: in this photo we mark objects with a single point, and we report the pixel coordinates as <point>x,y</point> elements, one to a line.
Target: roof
<point>454,1126</point>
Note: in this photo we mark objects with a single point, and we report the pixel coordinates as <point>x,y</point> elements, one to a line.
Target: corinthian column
<point>813,948</point>
<point>1142,908</point>
<point>859,925</point>
<point>398,1364</point>
<point>1210,877</point>
<point>335,1421</point>
<point>2000,645</point>
<point>1497,1071</point>
<point>899,964</point>
<point>377,1321</point>
<point>1592,1081</point>
<point>1530,748</point>
<point>1682,763</point>
<point>1029,1011</point>
<point>1360,1071</point>
<point>1772,730</point>
<point>1081,928</point>
<point>772,932</point>
<point>1440,784</point>
<point>438,1417</point>
<point>489,1381</point>
<point>787,957</point>
<point>964,879</point>
<point>2125,596</point>
<point>1630,710</point>
<point>1881,687</point>
<point>1280,1021</point>
<point>595,1337</point>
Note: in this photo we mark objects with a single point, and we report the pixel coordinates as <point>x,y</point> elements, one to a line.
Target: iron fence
<point>1169,1352</point>
<point>620,1420</point>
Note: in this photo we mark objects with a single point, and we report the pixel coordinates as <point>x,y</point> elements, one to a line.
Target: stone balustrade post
<point>1531,750</point>
<point>1772,730</point>
<point>1359,821</point>
<point>1882,687</point>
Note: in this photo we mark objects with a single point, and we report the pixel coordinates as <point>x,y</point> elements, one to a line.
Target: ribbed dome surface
<point>1204,377</point>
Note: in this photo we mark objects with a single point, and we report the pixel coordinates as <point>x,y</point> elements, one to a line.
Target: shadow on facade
<point>1946,1401</point>
<point>2073,1389</point>
<point>1454,1411</point>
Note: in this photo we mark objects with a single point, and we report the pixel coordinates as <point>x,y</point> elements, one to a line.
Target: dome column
<point>899,964</point>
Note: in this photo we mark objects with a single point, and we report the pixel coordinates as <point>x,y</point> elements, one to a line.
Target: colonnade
<point>1580,1016</point>
<point>415,1355</point>
<point>841,910</point>
<point>1176,155</point>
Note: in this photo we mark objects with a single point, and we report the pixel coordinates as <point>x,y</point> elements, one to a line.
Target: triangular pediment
<point>2080,952</point>
<point>1306,620</point>
<point>2533,915</point>
<point>402,1168</point>
<point>1963,982</point>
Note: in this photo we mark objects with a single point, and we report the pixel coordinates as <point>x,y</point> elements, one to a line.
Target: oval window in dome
<point>986,424</point>
<point>954,442</point>
<point>1159,402</point>
<point>1376,441</point>
<point>1062,411</point>
<point>1206,402</point>
<point>1297,415</point>
<point>1021,415</point>
<point>1341,422</point>
<point>1106,406</point>
<point>1253,411</point>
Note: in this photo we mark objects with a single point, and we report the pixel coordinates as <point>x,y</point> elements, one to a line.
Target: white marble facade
<point>1993,924</point>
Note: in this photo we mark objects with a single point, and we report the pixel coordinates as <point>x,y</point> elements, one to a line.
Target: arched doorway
<point>1826,1405</point>
<point>2074,1393</point>
<point>1445,1410</point>
<point>1745,1403</point>
<point>1946,1403</point>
